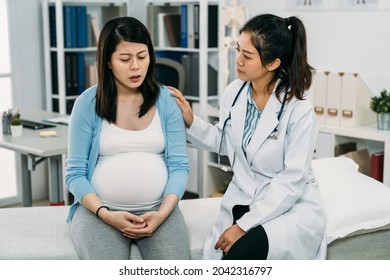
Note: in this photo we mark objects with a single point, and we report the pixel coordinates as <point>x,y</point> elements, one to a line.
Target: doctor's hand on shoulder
<point>184,105</point>
<point>228,238</point>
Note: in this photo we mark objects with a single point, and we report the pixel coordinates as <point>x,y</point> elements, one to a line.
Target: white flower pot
<point>383,121</point>
<point>16,130</point>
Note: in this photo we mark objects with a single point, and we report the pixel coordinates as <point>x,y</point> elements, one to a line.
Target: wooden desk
<point>34,149</point>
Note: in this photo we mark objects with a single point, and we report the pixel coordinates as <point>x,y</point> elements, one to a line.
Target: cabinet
<point>367,137</point>
<point>70,29</point>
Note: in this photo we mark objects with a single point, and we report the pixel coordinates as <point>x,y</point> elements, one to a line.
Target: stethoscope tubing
<point>236,98</point>
<point>274,135</point>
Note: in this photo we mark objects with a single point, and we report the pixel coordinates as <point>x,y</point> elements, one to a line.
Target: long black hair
<point>285,39</point>
<point>116,30</point>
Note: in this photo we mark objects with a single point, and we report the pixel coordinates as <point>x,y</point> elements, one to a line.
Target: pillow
<point>354,203</point>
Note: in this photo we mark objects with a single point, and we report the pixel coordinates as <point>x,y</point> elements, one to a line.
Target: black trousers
<point>251,246</point>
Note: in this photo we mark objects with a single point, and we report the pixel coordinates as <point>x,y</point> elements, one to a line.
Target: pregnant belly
<point>130,178</point>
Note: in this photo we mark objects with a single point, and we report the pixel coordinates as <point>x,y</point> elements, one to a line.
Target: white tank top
<point>131,173</point>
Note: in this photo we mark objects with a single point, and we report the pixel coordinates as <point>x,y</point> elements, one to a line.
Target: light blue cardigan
<point>84,141</point>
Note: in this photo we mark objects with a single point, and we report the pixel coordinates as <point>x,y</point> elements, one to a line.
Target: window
<point>8,190</point>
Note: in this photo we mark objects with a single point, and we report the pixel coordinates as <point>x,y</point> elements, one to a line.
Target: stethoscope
<point>274,134</point>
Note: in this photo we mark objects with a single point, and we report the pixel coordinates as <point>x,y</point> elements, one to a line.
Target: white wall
<point>342,41</point>
<point>27,53</point>
<point>27,68</point>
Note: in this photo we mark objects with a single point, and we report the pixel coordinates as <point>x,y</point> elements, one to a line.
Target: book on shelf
<point>109,12</point>
<point>183,26</point>
<point>185,61</point>
<point>68,106</point>
<point>172,29</point>
<point>91,42</point>
<point>81,25</point>
<point>95,30</point>
<point>194,68</point>
<point>213,26</point>
<point>362,158</point>
<point>68,74</point>
<point>52,26</point>
<point>75,26</point>
<point>196,26</point>
<point>162,34</point>
<point>190,64</point>
<point>190,25</point>
<point>377,160</point>
<point>80,73</point>
<point>54,72</point>
<point>212,81</point>
<point>153,25</point>
<point>344,148</point>
<point>185,20</point>
<point>74,75</point>
<point>70,26</point>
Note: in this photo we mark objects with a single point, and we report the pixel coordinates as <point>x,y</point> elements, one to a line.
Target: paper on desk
<point>59,120</point>
<point>48,133</point>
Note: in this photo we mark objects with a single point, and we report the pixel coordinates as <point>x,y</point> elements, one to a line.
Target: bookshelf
<point>187,32</point>
<point>70,29</point>
<point>367,137</point>
<point>197,51</point>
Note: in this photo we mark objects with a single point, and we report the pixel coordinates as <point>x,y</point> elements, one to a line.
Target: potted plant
<point>16,126</point>
<point>7,118</point>
<point>380,104</point>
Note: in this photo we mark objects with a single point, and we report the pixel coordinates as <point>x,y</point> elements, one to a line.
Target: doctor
<point>272,207</point>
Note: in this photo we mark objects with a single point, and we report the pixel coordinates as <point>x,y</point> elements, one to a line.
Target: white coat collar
<point>267,123</point>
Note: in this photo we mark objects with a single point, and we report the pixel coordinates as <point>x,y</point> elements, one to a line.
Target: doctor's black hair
<point>284,38</point>
<point>116,30</point>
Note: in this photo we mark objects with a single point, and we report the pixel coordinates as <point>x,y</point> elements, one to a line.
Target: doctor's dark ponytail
<point>299,70</point>
<point>284,38</point>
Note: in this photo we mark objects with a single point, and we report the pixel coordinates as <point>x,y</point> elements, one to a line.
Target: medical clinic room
<point>195,130</point>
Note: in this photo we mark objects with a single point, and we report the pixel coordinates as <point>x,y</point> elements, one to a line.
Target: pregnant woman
<point>127,166</point>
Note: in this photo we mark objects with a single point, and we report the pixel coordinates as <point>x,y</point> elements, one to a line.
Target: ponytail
<point>299,71</point>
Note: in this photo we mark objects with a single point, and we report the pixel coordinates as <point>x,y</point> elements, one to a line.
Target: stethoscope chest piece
<point>274,134</point>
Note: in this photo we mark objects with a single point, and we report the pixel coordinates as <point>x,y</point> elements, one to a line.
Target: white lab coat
<point>274,178</point>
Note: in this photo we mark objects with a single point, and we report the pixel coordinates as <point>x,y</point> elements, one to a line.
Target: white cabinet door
<point>324,147</point>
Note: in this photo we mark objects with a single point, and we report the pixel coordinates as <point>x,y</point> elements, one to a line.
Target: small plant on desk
<point>7,119</point>
<point>16,121</point>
